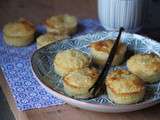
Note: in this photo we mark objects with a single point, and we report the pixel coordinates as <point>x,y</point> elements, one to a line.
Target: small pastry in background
<point>61,24</point>
<point>70,60</point>
<point>124,87</point>
<point>145,66</point>
<point>77,83</point>
<point>19,33</point>
<point>100,51</point>
<point>48,38</point>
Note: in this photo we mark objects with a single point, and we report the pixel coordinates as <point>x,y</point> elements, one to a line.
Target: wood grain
<point>67,112</point>
<point>19,115</point>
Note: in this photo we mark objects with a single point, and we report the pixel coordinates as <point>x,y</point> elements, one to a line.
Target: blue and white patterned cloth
<point>15,64</point>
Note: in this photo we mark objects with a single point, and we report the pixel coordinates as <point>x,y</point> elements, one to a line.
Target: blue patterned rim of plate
<point>43,58</point>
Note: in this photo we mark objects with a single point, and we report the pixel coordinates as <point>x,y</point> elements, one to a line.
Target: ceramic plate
<point>42,66</point>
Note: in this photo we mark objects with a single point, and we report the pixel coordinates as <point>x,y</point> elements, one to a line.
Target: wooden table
<point>66,112</point>
<point>11,10</point>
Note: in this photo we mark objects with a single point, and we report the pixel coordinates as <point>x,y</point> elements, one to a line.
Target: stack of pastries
<point>122,86</point>
<point>65,24</point>
<point>58,28</point>
<point>74,66</point>
<point>22,32</point>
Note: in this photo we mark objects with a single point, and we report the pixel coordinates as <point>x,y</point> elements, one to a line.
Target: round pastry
<point>100,51</point>
<point>62,24</point>
<point>145,66</point>
<point>19,33</point>
<point>48,38</point>
<point>70,60</point>
<point>124,87</point>
<point>77,83</point>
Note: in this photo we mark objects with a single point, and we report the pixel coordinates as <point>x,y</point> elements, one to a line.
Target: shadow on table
<point>5,112</point>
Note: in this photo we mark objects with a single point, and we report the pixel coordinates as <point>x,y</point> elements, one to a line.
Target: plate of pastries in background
<point>68,67</point>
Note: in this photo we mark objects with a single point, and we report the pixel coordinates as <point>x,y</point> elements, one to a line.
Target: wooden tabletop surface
<point>38,10</point>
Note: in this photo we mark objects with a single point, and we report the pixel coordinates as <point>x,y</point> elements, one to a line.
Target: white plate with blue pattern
<point>42,67</point>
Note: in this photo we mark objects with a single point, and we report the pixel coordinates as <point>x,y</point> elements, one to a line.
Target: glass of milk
<point>114,14</point>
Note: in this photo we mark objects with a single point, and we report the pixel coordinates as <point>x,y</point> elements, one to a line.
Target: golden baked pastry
<point>77,83</point>
<point>70,60</point>
<point>48,38</point>
<point>61,24</point>
<point>145,66</point>
<point>100,51</point>
<point>124,87</point>
<point>19,33</point>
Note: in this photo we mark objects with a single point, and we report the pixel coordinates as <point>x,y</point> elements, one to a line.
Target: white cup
<point>114,14</point>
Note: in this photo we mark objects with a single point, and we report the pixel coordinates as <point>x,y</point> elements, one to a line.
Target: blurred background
<point>38,10</point>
